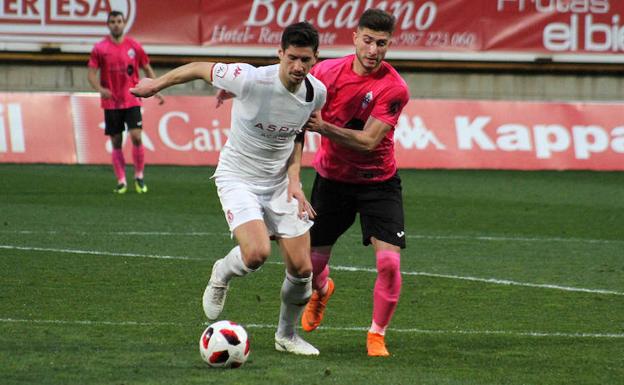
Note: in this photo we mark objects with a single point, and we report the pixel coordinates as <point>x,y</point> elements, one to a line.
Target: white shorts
<point>241,204</point>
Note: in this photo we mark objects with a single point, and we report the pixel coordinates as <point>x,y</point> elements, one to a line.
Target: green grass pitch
<point>508,278</point>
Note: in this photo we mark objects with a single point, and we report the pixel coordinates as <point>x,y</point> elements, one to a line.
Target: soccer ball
<point>224,344</point>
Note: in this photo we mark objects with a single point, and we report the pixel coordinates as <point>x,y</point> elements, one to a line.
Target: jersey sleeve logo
<point>237,71</point>
<point>220,70</point>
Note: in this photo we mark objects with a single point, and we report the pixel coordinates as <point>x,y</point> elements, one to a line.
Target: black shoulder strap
<point>309,90</point>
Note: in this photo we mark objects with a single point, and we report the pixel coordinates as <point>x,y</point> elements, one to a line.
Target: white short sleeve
<point>234,78</point>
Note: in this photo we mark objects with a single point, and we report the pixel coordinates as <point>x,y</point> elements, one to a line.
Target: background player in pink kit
<point>118,58</point>
<point>356,169</point>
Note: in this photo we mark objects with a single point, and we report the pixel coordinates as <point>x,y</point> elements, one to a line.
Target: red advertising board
<point>186,130</point>
<point>420,24</point>
<point>510,135</point>
<point>476,29</point>
<point>189,130</point>
<point>36,128</point>
<point>555,26</point>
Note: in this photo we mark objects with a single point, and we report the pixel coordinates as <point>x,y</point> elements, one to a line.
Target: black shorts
<point>116,120</point>
<point>380,206</point>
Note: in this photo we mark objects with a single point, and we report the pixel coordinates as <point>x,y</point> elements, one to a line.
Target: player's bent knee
<point>304,272</point>
<point>255,257</point>
<point>389,264</point>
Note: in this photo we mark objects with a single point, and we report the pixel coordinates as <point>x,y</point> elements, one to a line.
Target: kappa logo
<point>220,70</point>
<point>401,234</point>
<point>367,99</point>
<point>237,71</point>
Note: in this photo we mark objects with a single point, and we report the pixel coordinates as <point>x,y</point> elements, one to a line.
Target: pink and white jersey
<point>351,100</point>
<point>119,70</point>
<point>266,117</point>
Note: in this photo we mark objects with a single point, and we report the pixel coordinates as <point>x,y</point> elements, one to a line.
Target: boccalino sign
<point>426,29</point>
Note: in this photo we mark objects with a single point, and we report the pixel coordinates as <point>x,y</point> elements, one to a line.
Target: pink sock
<point>387,289</point>
<point>119,165</point>
<point>320,269</point>
<point>138,157</point>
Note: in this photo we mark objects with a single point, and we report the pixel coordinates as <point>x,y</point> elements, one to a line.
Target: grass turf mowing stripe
<point>494,281</point>
<point>411,236</point>
<point>329,328</point>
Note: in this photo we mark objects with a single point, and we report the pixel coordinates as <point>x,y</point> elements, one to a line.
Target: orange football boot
<point>313,313</point>
<point>376,345</point>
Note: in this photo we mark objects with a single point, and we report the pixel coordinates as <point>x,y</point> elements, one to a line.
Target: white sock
<point>296,291</point>
<point>231,265</point>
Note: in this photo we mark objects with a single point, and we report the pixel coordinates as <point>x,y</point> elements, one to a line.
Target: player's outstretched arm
<point>363,140</point>
<point>149,72</point>
<point>199,70</point>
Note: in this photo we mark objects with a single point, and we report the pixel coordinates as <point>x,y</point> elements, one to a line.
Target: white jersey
<point>266,117</point>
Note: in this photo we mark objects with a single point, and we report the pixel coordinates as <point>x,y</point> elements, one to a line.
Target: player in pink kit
<point>356,170</point>
<point>119,57</point>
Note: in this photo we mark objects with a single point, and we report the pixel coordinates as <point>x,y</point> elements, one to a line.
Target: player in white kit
<point>257,176</point>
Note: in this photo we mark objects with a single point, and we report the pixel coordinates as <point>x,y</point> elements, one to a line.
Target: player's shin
<point>232,265</point>
<point>295,293</point>
<point>119,165</point>
<point>223,270</point>
<point>138,158</point>
<point>387,289</point>
<point>320,269</point>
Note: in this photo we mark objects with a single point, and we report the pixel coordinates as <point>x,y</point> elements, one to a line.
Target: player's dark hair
<point>301,34</point>
<point>377,20</point>
<point>112,14</point>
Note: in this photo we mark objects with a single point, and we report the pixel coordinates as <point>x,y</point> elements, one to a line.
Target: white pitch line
<point>411,236</point>
<point>341,268</point>
<point>465,332</point>
<point>330,328</point>
<point>146,233</point>
<point>487,280</point>
<point>88,322</point>
<point>513,239</point>
<point>94,252</point>
<point>335,267</point>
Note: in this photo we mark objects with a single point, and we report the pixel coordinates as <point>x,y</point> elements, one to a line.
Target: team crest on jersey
<point>220,70</point>
<point>230,216</point>
<point>367,99</point>
<point>131,53</point>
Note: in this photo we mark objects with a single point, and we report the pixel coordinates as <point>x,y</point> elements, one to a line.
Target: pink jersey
<point>119,70</point>
<point>351,100</point>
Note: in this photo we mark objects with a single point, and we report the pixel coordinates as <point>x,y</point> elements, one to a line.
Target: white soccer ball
<point>224,344</point>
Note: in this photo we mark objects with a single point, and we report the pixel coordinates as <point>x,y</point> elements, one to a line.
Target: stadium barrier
<point>189,130</point>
